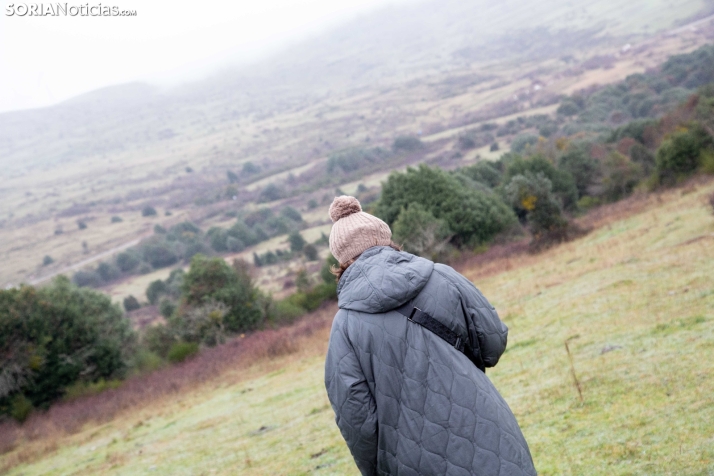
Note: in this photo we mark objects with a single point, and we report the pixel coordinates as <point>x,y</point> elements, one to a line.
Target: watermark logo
<point>65,9</point>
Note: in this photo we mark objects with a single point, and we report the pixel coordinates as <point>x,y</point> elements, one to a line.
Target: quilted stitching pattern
<point>406,402</point>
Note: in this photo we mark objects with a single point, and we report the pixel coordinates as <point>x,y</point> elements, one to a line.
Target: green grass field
<point>634,299</point>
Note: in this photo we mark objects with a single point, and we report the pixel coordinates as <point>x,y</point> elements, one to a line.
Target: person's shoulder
<point>341,314</point>
<point>447,272</point>
<point>465,286</point>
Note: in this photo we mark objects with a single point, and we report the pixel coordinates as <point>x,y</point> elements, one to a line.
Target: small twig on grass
<point>572,371</point>
<point>248,462</point>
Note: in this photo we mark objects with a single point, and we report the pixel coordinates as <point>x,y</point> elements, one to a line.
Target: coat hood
<point>382,279</point>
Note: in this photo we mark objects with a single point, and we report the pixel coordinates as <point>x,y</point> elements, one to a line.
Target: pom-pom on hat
<point>354,231</point>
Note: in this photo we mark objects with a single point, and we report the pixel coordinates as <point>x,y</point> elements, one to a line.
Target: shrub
<point>465,141</point>
<point>128,260</point>
<point>202,324</point>
<point>159,230</point>
<point>56,335</point>
<point>291,214</point>
<point>258,216</point>
<point>213,280</point>
<point>642,156</point>
<point>270,193</point>
<point>420,232</point>
<point>494,147</point>
<point>155,290</point>
<point>620,176</point>
<point>588,202</point>
<point>181,351</point>
<point>635,129</point>
<point>195,248</point>
<point>302,281</point>
<point>310,252</point>
<point>286,311</point>
<point>531,197</point>
<point>583,168</point>
<point>278,225</point>
<point>707,160</point>
<point>351,160</point>
<point>522,142</point>
<point>108,272</point>
<point>218,238</point>
<point>159,254</point>
<point>483,172</point>
<point>312,299</point>
<point>47,260</point>
<point>407,144</point>
<point>232,177</point>
<point>148,211</point>
<point>242,232</point>
<point>159,339</point>
<point>117,219</point>
<point>312,204</point>
<point>297,242</point>
<point>131,304</point>
<point>680,154</point>
<point>145,361</point>
<point>82,225</point>
<point>167,307</point>
<point>473,216</point>
<point>250,168</point>
<point>20,408</point>
<point>82,389</point>
<point>234,245</point>
<point>183,232</point>
<point>87,279</point>
<point>568,107</point>
<point>266,259</point>
<point>562,182</point>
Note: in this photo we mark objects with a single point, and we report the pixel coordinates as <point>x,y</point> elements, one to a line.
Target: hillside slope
<point>427,68</point>
<point>633,299</point>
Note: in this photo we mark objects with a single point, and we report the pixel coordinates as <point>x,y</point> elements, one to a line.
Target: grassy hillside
<point>633,299</point>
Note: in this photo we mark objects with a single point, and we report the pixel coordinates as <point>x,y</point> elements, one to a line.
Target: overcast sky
<point>44,60</point>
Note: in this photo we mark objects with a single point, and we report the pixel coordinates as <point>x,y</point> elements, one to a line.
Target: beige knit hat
<point>354,231</point>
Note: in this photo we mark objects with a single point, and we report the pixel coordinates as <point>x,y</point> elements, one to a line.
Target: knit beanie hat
<point>354,231</point>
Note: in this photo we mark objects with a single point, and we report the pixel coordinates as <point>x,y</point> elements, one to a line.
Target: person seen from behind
<point>405,366</point>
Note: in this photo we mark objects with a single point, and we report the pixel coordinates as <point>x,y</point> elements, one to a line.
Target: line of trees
<point>62,341</point>
<point>433,212</point>
<point>181,242</point>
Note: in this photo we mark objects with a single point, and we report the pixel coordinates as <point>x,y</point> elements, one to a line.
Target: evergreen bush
<point>131,304</point>
<point>181,351</point>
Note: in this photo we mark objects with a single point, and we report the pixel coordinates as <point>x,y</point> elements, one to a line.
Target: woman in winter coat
<point>405,369</point>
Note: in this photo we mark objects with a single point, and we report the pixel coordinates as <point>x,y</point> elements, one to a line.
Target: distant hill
<point>382,49</point>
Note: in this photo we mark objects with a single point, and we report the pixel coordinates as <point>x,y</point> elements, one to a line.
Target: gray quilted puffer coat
<point>407,402</point>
